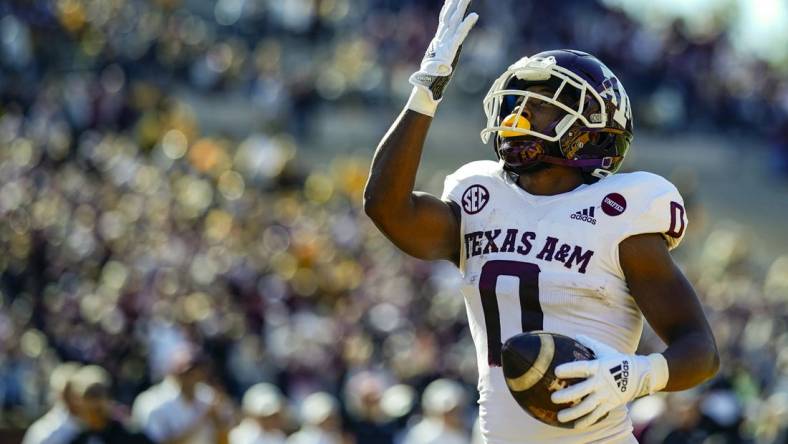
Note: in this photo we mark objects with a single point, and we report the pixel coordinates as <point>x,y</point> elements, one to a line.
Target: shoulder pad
<point>648,203</point>
<point>480,170</point>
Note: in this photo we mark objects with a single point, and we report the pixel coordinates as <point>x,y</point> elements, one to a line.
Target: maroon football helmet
<point>594,131</point>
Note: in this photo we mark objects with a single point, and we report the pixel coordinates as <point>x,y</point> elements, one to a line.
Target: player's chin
<point>529,167</point>
<point>522,155</point>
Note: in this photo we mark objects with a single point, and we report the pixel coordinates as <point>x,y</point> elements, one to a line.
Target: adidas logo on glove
<point>621,375</point>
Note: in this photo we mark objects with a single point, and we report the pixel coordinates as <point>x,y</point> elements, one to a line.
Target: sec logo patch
<point>475,198</point>
<point>614,204</point>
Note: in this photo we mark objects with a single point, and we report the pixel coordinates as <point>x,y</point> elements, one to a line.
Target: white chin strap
<point>600,174</point>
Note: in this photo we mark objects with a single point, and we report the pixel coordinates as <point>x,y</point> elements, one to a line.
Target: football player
<point>548,237</point>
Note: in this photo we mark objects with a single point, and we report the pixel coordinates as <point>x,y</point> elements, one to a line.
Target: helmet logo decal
<point>610,91</point>
<point>614,204</point>
<point>475,198</point>
<point>613,93</point>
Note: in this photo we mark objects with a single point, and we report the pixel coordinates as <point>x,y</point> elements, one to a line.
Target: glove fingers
<point>573,393</point>
<point>599,348</point>
<point>444,24</point>
<point>458,13</point>
<point>467,25</point>
<point>448,6</point>
<point>582,409</point>
<point>576,369</point>
<point>590,419</point>
<point>464,7</point>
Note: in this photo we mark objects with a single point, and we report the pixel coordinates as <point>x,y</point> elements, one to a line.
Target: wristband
<point>422,102</point>
<point>657,375</point>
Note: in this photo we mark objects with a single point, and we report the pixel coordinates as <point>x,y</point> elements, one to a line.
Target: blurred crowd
<point>108,62</point>
<point>194,287</point>
<point>288,57</point>
<point>187,408</point>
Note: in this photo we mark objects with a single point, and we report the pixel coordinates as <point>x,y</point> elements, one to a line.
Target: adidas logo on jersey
<point>621,375</point>
<point>586,215</point>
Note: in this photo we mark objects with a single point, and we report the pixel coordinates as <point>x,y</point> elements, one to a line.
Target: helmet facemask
<point>583,112</point>
<point>526,148</point>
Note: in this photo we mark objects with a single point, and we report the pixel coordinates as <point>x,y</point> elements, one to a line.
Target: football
<point>529,361</point>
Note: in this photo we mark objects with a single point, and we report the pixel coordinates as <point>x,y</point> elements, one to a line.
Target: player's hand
<point>612,380</point>
<point>438,64</point>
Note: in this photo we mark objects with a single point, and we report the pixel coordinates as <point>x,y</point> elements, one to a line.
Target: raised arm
<point>418,223</point>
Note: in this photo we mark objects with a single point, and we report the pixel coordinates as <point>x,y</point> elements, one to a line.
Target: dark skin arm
<point>419,224</point>
<point>671,307</point>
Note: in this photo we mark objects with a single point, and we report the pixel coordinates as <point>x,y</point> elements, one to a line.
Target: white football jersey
<point>551,263</point>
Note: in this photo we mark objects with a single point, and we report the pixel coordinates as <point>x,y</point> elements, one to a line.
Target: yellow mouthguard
<point>514,121</point>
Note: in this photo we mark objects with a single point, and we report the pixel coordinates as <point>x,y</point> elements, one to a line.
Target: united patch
<point>614,204</point>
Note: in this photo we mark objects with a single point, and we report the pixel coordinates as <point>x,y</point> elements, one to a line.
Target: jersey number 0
<point>530,310</point>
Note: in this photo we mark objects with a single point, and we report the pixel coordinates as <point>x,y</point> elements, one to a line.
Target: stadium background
<point>190,172</point>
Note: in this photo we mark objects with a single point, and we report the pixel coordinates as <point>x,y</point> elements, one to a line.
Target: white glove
<point>438,64</point>
<point>613,379</point>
